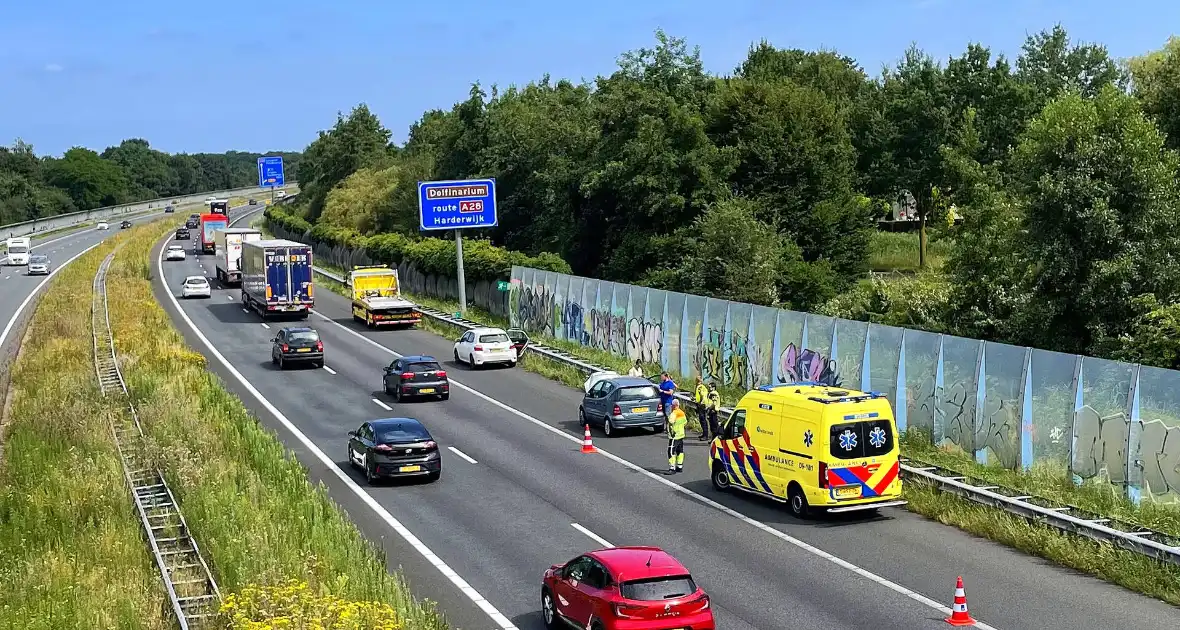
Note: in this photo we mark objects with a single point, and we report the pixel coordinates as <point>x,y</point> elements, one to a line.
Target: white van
<point>18,250</point>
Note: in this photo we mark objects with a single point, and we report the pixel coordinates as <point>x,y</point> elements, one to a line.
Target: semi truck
<point>377,299</point>
<point>211,223</point>
<point>228,248</point>
<point>219,206</point>
<point>277,278</point>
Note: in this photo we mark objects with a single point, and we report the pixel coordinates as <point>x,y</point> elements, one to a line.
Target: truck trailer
<point>228,246</point>
<point>211,223</point>
<point>377,299</point>
<point>219,206</point>
<point>277,278</point>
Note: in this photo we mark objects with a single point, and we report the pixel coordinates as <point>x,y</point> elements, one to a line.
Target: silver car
<point>622,402</point>
<point>38,265</point>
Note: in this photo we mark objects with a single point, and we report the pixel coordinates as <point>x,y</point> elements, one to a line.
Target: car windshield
<point>197,281</point>
<point>305,335</point>
<point>38,260</point>
<point>494,338</point>
<point>424,366</point>
<point>18,249</point>
<point>402,433</point>
<point>640,392</point>
<point>658,589</point>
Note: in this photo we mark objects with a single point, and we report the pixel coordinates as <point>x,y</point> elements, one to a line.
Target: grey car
<point>622,402</point>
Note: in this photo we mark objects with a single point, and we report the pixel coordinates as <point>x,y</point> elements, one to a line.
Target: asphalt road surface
<point>516,496</point>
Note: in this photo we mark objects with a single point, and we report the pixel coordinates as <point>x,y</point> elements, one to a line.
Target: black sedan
<point>252,202</point>
<point>182,234</point>
<point>124,225</point>
<point>394,447</point>
<point>416,376</point>
<point>169,209</point>
<point>297,345</point>
<point>192,223</point>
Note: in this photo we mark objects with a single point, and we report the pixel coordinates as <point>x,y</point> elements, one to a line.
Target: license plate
<point>850,492</point>
<point>409,469</point>
<point>303,350</point>
<point>639,410</point>
<point>428,390</point>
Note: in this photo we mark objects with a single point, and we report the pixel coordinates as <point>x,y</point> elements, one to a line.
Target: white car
<point>102,225</point>
<point>480,346</point>
<point>196,286</point>
<point>175,252</point>
<point>598,376</point>
<point>39,265</point>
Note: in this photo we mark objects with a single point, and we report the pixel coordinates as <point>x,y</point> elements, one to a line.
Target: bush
<point>481,259</point>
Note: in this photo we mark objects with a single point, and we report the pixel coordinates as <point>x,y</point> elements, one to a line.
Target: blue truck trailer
<point>277,278</point>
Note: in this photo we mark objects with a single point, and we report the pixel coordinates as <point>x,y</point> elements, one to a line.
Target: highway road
<point>517,496</point>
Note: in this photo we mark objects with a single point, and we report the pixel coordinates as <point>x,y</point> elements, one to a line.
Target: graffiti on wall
<point>645,340</point>
<point>1101,449</point>
<point>723,357</point>
<point>534,309</point>
<point>956,416</point>
<point>807,365</point>
<point>999,431</point>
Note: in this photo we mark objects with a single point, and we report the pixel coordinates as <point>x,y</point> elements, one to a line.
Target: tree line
<point>765,185</point>
<point>33,187</point>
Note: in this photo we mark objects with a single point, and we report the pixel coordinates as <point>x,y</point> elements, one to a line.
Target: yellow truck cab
<point>811,446</point>
<point>377,299</point>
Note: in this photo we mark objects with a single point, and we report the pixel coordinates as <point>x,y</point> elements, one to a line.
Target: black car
<point>192,223</point>
<point>194,216</point>
<point>298,345</point>
<point>416,376</point>
<point>169,209</point>
<point>124,225</point>
<point>394,447</point>
<point>182,234</point>
<point>252,202</point>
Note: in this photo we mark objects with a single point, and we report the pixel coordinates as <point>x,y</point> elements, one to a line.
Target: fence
<point>482,294</point>
<point>1007,405</point>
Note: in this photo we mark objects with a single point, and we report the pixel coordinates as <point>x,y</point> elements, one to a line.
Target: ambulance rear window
<point>861,439</point>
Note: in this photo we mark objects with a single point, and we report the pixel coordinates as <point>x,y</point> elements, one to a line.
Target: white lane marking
<point>36,289</point>
<point>382,405</point>
<point>470,459</point>
<point>502,622</point>
<point>264,325</point>
<point>595,537</point>
<point>245,310</point>
<point>229,297</point>
<point>329,370</point>
<point>577,439</point>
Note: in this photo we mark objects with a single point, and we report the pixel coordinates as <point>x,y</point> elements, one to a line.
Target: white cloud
<point>53,67</point>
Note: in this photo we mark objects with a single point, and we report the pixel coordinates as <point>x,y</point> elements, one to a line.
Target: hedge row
<point>481,259</point>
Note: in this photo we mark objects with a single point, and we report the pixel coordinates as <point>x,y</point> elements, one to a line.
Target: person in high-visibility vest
<point>701,397</point>
<point>714,405</point>
<point>677,421</point>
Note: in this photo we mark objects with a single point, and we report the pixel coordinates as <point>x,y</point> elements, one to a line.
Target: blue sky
<point>217,75</point>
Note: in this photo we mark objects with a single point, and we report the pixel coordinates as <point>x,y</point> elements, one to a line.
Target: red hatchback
<point>624,588</point>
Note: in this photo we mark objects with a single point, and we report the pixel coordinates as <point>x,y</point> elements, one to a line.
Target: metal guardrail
<point>1067,518</point>
<point>191,588</point>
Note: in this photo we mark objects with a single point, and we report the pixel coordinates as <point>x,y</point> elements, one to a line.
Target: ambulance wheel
<point>797,502</point>
<point>720,477</point>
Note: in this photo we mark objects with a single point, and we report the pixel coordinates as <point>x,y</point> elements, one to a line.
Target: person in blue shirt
<point>667,393</point>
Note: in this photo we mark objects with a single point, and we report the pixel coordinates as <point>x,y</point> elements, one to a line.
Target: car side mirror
<point>352,434</point>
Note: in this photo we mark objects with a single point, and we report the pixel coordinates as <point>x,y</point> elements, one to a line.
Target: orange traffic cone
<point>959,615</point>
<point>587,443</point>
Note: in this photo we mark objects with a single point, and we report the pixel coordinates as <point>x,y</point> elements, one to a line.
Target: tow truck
<point>377,298</point>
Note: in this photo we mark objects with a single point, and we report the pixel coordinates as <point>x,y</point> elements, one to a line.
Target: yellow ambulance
<point>811,446</point>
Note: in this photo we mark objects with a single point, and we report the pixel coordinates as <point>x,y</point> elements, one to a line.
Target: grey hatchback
<point>622,402</point>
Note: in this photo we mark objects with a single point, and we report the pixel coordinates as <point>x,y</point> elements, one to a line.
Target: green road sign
<point>502,285</point>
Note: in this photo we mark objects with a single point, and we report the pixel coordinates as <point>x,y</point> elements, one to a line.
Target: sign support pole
<point>462,280</point>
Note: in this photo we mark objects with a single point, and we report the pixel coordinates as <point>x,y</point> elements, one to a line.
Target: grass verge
<point>898,251</point>
<point>1127,569</point>
<point>74,553</point>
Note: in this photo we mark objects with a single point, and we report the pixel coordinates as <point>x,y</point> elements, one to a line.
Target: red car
<point>624,588</point>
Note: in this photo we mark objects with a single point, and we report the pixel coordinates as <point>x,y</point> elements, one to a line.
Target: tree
<point>1156,83</point>
<point>148,172</point>
<point>91,181</point>
<point>1051,65</point>
<point>354,142</point>
<point>1102,205</point>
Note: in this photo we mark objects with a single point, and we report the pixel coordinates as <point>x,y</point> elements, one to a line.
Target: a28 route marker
<point>457,205</point>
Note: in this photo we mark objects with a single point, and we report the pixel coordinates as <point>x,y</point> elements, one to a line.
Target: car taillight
<point>479,348</point>
<point>319,346</point>
<point>430,445</point>
<point>384,447</point>
<point>407,376</point>
<point>628,611</point>
<point>616,411</point>
<point>285,347</point>
<point>441,374</point>
<point>823,475</point>
<point>702,603</point>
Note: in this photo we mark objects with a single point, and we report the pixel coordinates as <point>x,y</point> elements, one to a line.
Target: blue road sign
<point>270,172</point>
<point>457,204</point>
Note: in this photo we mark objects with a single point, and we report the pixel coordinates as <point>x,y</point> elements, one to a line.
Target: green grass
<point>74,552</point>
<point>898,251</point>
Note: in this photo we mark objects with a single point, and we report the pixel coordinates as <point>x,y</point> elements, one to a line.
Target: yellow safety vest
<point>715,400</point>
<point>701,394</point>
